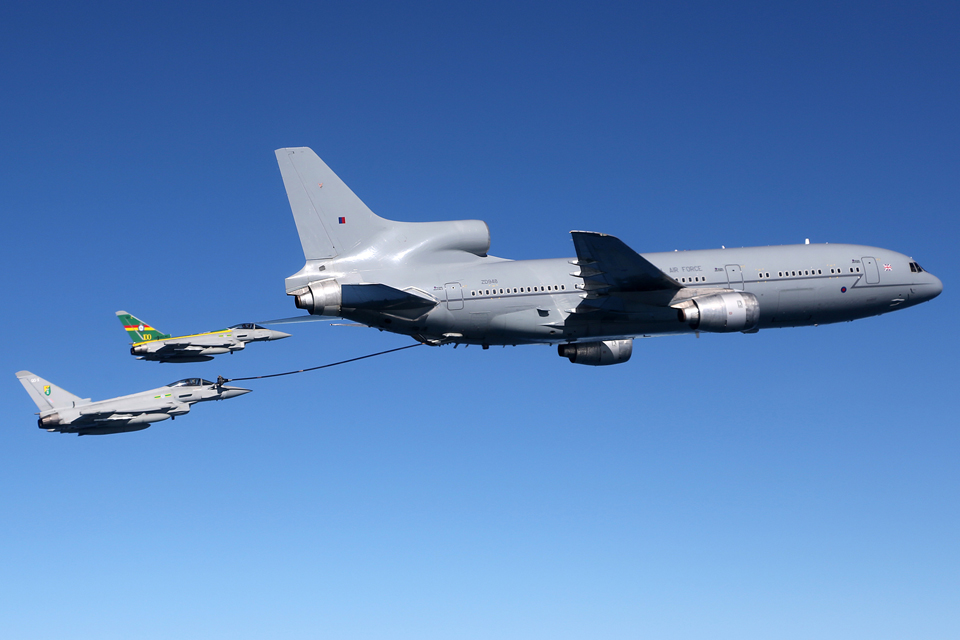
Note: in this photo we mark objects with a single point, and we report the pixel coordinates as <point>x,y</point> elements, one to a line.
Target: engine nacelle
<point>722,312</point>
<point>49,421</point>
<point>597,354</point>
<point>321,298</point>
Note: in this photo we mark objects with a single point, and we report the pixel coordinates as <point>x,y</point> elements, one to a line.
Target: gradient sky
<point>798,483</point>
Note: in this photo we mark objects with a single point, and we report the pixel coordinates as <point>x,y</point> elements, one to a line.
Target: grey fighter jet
<point>62,411</point>
<point>150,344</point>
<point>435,282</point>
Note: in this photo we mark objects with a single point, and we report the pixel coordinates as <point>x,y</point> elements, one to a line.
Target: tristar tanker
<point>435,282</point>
<point>150,344</point>
<point>62,411</point>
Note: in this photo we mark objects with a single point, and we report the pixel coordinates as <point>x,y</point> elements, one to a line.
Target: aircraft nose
<point>277,335</point>
<point>232,392</point>
<point>936,287</point>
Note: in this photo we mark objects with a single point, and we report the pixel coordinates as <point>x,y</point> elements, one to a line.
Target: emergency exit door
<point>454,296</point>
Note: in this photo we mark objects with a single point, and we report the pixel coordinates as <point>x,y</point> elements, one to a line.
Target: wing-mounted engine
<point>721,312</point>
<point>597,354</point>
<point>330,298</point>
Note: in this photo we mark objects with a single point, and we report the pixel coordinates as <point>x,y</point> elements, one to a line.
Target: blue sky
<point>794,483</point>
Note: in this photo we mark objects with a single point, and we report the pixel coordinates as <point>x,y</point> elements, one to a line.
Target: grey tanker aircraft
<point>435,282</point>
<point>62,411</point>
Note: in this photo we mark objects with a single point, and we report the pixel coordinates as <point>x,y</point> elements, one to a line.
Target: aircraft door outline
<point>454,296</point>
<point>871,270</point>
<point>734,276</point>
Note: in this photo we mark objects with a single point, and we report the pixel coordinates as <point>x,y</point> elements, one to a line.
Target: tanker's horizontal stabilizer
<point>380,297</point>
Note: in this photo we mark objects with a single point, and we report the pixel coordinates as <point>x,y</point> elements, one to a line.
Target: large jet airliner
<point>435,282</point>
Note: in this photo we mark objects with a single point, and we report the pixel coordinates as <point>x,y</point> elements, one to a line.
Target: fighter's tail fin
<point>331,219</point>
<point>138,330</point>
<point>47,395</point>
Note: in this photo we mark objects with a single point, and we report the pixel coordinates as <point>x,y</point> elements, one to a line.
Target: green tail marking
<point>138,330</point>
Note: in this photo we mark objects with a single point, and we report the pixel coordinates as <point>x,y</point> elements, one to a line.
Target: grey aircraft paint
<point>62,411</point>
<point>435,282</point>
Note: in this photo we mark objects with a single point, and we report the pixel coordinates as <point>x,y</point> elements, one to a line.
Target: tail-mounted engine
<point>722,312</point>
<point>321,298</point>
<point>597,353</point>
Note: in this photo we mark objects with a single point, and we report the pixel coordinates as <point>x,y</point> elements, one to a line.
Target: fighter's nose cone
<point>278,335</point>
<point>232,392</point>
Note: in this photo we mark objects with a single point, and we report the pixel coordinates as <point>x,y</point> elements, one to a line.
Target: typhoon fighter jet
<point>62,411</point>
<point>435,282</point>
<point>150,344</point>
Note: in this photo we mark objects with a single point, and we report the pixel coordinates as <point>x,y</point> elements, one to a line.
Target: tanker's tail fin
<point>47,395</point>
<point>331,219</point>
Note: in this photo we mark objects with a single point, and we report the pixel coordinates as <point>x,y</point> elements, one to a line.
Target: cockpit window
<point>246,325</point>
<point>190,382</point>
<point>915,268</point>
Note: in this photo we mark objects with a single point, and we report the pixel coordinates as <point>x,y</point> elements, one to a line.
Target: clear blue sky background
<point>791,484</point>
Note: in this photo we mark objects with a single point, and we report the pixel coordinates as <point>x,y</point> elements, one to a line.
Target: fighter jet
<point>435,282</point>
<point>62,411</point>
<point>150,344</point>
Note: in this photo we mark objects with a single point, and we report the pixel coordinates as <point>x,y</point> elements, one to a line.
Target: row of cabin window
<point>486,292</point>
<point>694,279</point>
<point>807,272</point>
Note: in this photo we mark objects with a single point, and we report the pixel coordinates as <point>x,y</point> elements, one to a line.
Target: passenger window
<point>563,286</point>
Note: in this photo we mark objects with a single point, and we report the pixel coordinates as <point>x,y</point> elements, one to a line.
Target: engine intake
<point>320,298</point>
<point>597,354</point>
<point>722,312</point>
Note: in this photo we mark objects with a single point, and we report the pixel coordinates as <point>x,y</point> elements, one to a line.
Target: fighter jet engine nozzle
<point>320,298</point>
<point>722,312</point>
<point>597,354</point>
<point>49,422</point>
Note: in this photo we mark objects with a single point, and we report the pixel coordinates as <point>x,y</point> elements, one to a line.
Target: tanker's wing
<point>608,267</point>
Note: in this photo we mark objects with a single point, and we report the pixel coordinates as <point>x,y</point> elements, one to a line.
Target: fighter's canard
<point>150,344</point>
<point>62,411</point>
<point>435,282</point>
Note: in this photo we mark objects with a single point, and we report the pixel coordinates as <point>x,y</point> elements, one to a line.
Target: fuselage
<point>494,301</point>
